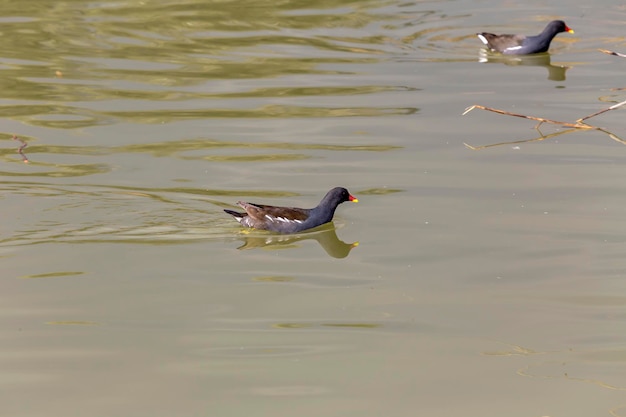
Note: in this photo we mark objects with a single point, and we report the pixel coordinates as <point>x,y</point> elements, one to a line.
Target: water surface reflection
<point>325,236</point>
<point>555,72</point>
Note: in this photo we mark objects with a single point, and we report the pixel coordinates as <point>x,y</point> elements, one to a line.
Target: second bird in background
<point>521,44</point>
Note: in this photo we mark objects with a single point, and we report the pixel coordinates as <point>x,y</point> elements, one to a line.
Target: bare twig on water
<point>578,125</point>
<point>540,138</point>
<point>613,107</point>
<point>606,51</point>
<point>20,150</point>
<point>541,120</point>
<point>612,136</point>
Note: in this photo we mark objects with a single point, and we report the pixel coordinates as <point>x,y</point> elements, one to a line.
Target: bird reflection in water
<point>324,235</point>
<point>555,72</point>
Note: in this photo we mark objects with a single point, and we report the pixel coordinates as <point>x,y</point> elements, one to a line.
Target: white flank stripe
<point>281,219</point>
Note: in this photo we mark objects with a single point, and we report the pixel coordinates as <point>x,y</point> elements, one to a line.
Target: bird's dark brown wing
<point>260,211</point>
<point>502,42</point>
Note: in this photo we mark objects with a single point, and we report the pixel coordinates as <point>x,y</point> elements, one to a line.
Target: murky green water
<point>480,283</point>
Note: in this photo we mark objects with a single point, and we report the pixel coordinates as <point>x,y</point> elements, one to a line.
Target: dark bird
<point>291,219</point>
<point>523,45</point>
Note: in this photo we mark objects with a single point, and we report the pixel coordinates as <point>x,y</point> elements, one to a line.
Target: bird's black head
<point>341,195</point>
<point>559,26</point>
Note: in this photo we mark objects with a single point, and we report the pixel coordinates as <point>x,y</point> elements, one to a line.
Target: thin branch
<point>613,107</point>
<point>539,119</point>
<point>20,150</point>
<point>606,51</point>
<point>540,138</point>
<point>579,125</point>
<point>613,136</point>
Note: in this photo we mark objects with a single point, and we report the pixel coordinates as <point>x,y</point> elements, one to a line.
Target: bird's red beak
<point>353,199</point>
<point>569,29</point>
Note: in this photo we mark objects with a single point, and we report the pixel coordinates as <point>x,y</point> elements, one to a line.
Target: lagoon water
<point>485,282</point>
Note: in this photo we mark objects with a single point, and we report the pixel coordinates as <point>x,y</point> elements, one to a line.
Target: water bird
<point>291,219</point>
<point>521,44</point>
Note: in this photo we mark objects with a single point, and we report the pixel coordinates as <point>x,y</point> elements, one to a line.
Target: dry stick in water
<point>602,111</point>
<point>616,54</point>
<point>612,53</point>
<point>539,119</point>
<point>540,138</point>
<point>579,125</point>
<point>20,150</point>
